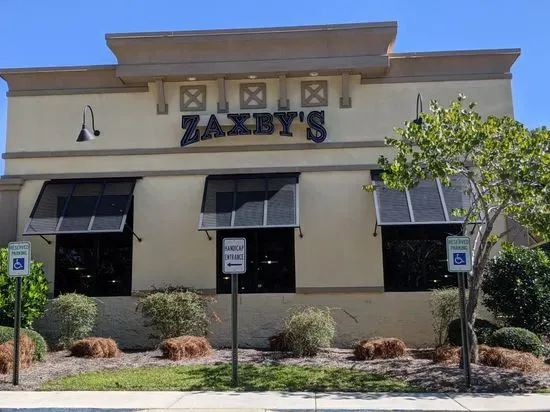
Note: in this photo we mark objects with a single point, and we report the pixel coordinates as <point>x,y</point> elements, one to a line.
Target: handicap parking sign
<point>459,259</point>
<point>19,258</point>
<point>19,264</point>
<point>459,254</point>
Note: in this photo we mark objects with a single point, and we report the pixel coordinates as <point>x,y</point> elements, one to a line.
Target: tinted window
<point>270,261</point>
<point>415,257</point>
<point>95,264</point>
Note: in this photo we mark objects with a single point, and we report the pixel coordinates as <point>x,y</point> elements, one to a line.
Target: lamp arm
<point>96,132</point>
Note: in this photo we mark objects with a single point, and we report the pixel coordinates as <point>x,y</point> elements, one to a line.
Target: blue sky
<point>71,32</point>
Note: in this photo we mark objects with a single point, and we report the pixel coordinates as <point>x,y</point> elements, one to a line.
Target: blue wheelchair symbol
<point>459,259</point>
<point>19,264</point>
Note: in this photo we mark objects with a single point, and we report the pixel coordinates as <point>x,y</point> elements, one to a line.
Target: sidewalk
<point>267,401</point>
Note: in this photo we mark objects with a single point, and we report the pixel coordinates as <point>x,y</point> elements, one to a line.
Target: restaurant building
<point>267,134</point>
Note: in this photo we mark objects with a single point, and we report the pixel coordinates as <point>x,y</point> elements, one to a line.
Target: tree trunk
<point>474,287</point>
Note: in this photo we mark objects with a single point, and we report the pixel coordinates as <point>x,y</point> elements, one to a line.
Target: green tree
<point>507,166</point>
<point>34,293</point>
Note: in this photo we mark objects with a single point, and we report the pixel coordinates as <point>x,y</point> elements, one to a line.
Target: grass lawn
<point>218,378</point>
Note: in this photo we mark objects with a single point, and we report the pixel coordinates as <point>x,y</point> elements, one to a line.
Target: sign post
<point>459,259</point>
<point>234,263</point>
<point>19,262</point>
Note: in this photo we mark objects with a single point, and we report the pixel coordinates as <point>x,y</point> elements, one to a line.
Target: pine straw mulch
<point>417,369</point>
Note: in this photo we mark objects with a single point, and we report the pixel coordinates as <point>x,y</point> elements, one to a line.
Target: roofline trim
<point>262,30</point>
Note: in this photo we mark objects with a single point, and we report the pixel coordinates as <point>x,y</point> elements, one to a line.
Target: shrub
<point>26,355</point>
<point>40,347</point>
<point>380,348</point>
<point>278,342</point>
<point>483,329</point>
<point>510,359</point>
<point>447,354</point>
<point>518,339</point>
<point>175,314</point>
<point>34,293</point>
<point>76,314</point>
<point>309,330</point>
<point>94,348</point>
<point>517,287</point>
<point>185,347</point>
<point>445,306</point>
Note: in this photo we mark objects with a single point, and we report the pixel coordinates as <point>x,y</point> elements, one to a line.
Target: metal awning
<point>81,206</point>
<point>250,201</point>
<point>430,202</point>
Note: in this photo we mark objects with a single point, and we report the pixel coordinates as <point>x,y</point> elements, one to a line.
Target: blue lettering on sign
<point>265,125</point>
<point>459,259</point>
<point>19,264</point>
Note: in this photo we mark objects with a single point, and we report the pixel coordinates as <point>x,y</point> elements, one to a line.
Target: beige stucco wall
<point>173,251</point>
<point>337,217</point>
<point>129,120</point>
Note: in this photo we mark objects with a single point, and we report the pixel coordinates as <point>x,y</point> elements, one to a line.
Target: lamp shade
<point>85,135</point>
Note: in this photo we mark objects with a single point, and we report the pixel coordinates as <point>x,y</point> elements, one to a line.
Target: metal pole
<point>17,330</point>
<point>464,329</point>
<point>234,296</point>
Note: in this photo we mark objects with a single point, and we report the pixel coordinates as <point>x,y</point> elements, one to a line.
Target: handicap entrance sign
<point>459,257</point>
<point>234,256</point>
<point>19,259</point>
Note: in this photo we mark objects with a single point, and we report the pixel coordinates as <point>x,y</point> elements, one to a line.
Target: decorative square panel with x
<point>314,93</point>
<point>193,98</point>
<point>253,96</point>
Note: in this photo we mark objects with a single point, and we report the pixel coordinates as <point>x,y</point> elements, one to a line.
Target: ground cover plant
<point>185,347</point>
<point>173,314</point>
<point>218,378</point>
<point>518,339</point>
<point>380,348</point>
<point>94,348</point>
<point>309,329</point>
<point>445,307</point>
<point>26,354</point>
<point>76,315</point>
<point>40,346</point>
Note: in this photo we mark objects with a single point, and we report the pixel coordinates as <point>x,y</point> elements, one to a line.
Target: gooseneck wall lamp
<point>85,135</point>
<point>417,119</point>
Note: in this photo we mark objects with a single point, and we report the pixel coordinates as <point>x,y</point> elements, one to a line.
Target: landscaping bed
<point>415,371</point>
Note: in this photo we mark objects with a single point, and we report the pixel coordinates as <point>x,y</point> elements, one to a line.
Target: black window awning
<point>430,202</point>
<point>79,206</point>
<point>250,201</point>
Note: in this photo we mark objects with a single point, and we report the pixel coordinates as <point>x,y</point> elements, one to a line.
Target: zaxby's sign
<point>264,125</point>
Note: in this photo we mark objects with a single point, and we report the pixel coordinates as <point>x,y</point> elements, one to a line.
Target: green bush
<point>6,334</point>
<point>34,293</point>
<point>518,339</point>
<point>517,288</point>
<point>76,315</point>
<point>173,314</point>
<point>445,306</point>
<point>308,330</point>
<point>483,329</point>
